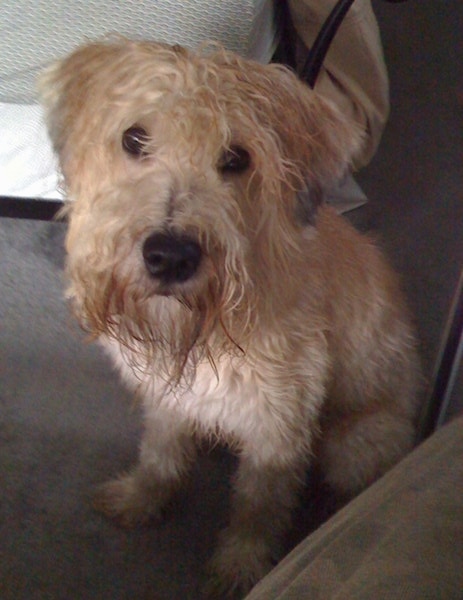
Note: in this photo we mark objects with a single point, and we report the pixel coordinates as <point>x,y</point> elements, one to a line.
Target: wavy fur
<point>291,341</point>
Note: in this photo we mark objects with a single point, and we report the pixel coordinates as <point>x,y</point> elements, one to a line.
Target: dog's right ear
<point>77,93</point>
<point>67,89</point>
<point>50,89</point>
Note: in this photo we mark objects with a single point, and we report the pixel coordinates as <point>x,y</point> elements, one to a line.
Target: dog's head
<point>185,174</point>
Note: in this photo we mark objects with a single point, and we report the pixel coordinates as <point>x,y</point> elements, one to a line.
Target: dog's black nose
<point>171,258</point>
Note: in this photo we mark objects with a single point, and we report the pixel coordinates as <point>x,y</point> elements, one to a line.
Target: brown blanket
<point>401,539</point>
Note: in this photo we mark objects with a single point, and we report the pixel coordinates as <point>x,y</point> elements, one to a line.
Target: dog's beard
<point>169,335</point>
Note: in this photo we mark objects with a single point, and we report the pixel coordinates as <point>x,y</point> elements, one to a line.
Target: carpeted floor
<point>65,422</point>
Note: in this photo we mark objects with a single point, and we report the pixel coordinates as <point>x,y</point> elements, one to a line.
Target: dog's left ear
<point>319,139</point>
<point>313,136</point>
<point>304,142</point>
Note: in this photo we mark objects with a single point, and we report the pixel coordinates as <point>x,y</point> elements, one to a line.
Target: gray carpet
<point>65,422</point>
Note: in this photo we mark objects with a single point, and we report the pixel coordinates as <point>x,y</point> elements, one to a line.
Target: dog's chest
<point>228,398</point>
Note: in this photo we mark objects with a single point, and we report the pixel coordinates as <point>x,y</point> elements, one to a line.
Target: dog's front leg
<point>265,493</point>
<point>166,453</point>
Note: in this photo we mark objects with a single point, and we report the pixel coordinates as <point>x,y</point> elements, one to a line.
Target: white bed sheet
<point>28,166</point>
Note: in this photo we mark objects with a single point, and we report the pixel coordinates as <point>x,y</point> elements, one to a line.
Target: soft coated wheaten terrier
<point>230,298</point>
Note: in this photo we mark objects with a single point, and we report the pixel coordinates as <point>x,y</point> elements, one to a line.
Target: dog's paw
<point>127,501</point>
<point>238,564</point>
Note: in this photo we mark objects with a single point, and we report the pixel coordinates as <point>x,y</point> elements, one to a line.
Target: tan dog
<point>230,301</point>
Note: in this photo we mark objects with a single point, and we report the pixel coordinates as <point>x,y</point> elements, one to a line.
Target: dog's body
<point>231,302</point>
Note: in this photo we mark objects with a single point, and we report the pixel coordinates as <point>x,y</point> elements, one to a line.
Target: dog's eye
<point>234,160</point>
<point>134,141</point>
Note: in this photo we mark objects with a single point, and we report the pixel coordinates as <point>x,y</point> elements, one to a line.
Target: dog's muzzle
<point>171,258</point>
